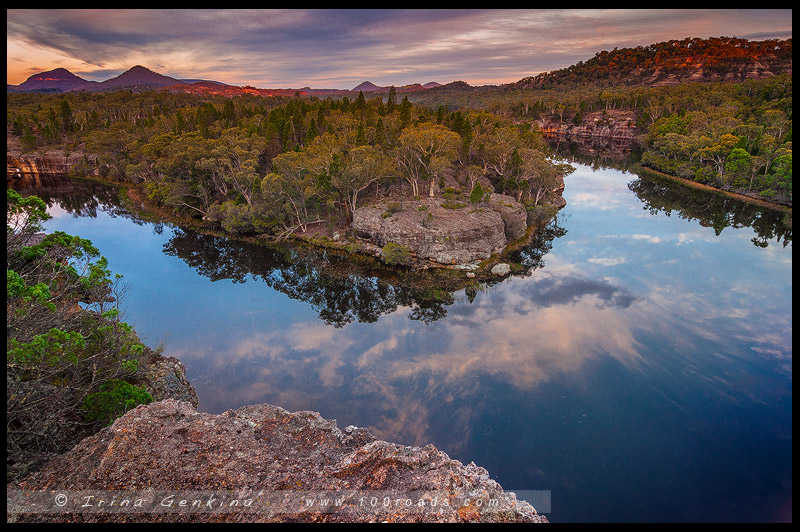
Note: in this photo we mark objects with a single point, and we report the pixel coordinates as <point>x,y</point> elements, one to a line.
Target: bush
<point>396,254</point>
<point>114,399</point>
<point>392,208</point>
<point>477,194</point>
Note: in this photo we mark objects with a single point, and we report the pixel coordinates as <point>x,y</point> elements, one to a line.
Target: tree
<point>294,183</point>
<point>363,166</point>
<point>536,177</point>
<point>391,101</point>
<point>360,102</point>
<point>424,152</point>
<point>67,121</point>
<point>233,161</point>
<point>739,165</point>
<point>496,149</point>
<point>57,353</point>
<point>717,151</point>
<point>405,112</point>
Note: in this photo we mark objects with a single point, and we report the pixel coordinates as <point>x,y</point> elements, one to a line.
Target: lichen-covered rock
<point>513,213</point>
<point>501,269</point>
<point>165,378</point>
<point>443,232</point>
<point>286,463</point>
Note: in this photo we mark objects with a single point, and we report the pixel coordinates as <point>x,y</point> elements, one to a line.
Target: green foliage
<point>50,349</point>
<point>477,195</point>
<point>114,398</point>
<point>396,254</point>
<point>254,164</point>
<point>57,352</point>
<point>392,208</point>
<point>18,289</point>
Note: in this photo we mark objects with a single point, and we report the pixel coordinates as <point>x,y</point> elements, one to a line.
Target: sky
<point>338,49</point>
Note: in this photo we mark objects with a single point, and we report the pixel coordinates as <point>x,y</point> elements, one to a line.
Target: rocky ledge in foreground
<point>259,463</point>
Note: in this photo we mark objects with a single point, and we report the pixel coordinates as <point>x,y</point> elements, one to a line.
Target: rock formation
<point>165,378</point>
<point>289,466</point>
<point>610,124</point>
<point>36,164</point>
<point>442,230</point>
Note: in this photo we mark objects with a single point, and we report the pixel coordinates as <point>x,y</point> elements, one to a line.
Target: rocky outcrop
<point>607,124</point>
<point>441,230</point>
<point>19,164</point>
<point>165,378</point>
<point>289,466</point>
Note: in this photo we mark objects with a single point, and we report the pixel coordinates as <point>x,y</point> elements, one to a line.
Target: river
<point>641,371</point>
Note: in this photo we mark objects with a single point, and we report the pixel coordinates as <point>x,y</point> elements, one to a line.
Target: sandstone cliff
<point>36,164</point>
<point>610,124</point>
<point>441,230</point>
<point>278,460</point>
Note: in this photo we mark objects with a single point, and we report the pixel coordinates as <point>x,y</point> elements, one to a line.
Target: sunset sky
<point>342,48</point>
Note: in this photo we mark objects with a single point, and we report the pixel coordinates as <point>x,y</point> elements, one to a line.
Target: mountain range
<point>664,63</point>
<point>141,78</point>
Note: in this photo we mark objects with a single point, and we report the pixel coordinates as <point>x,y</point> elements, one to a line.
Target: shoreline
<point>701,186</point>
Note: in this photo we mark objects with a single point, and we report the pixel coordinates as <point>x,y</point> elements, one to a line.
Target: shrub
<point>477,194</point>
<point>392,208</point>
<point>396,254</point>
<point>114,398</point>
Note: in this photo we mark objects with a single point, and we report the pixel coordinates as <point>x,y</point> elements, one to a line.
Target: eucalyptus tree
<point>423,152</point>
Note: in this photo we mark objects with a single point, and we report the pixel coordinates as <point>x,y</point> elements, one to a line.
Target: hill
<point>59,79</point>
<point>366,86</point>
<point>139,76</point>
<point>672,62</point>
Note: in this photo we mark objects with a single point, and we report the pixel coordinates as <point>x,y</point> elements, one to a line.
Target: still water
<point>641,371</point>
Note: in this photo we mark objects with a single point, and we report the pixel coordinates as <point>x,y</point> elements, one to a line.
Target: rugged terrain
<point>277,460</point>
<point>441,230</point>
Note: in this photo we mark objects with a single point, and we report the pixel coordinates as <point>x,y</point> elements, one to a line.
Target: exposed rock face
<point>165,378</point>
<point>277,458</point>
<point>610,124</point>
<point>50,163</point>
<point>443,235</point>
<point>20,164</point>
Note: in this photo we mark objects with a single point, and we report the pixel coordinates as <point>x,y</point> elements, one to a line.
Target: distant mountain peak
<point>58,79</point>
<point>366,86</point>
<point>139,75</point>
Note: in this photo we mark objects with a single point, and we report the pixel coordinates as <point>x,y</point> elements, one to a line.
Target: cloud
<point>608,261</point>
<point>342,47</point>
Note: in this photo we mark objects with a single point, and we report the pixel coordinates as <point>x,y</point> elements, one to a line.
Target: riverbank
<point>324,239</point>
<point>694,184</point>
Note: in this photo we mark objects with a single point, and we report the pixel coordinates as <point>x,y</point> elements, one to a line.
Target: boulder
<point>513,214</point>
<point>447,233</point>
<point>165,378</point>
<point>501,269</point>
<point>278,460</point>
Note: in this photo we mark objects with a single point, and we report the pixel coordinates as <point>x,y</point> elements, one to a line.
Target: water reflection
<point>658,195</point>
<point>341,292</point>
<point>644,374</point>
<point>712,210</point>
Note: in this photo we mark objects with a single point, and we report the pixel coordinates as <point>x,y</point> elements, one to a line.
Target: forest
<point>733,136</point>
<point>275,165</point>
<point>725,119</point>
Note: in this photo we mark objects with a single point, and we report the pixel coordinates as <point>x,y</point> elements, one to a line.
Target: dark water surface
<point>642,371</point>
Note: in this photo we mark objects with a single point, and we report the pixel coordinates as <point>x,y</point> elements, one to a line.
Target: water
<point>642,371</point>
